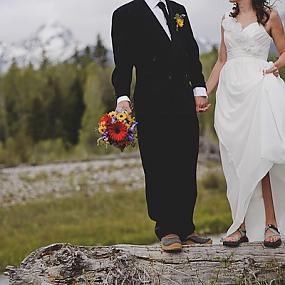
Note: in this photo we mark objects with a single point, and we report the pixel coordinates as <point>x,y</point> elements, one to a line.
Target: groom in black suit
<point>156,38</point>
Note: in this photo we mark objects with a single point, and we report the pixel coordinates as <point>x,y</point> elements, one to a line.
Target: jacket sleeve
<point>196,74</point>
<point>121,39</point>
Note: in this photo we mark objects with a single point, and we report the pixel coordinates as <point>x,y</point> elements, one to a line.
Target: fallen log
<point>133,264</point>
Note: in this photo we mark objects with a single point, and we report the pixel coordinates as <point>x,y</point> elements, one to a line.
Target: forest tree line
<point>50,113</point>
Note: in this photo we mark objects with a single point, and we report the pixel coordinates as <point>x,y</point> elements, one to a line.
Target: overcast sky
<point>87,18</point>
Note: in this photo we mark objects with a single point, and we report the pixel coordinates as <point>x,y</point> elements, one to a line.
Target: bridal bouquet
<point>117,129</point>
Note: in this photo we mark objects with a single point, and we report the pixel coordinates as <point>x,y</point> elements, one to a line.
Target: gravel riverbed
<point>23,183</point>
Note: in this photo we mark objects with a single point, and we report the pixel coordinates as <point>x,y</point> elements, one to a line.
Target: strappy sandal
<point>243,238</point>
<point>275,233</point>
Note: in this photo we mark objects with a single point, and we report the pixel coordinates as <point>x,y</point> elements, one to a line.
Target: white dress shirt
<point>153,5</point>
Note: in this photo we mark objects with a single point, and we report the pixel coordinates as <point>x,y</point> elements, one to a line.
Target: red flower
<point>117,131</point>
<point>106,119</point>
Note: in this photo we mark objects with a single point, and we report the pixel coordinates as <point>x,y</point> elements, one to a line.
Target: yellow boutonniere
<point>179,21</point>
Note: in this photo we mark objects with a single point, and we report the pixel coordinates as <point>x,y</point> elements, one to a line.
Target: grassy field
<point>102,219</point>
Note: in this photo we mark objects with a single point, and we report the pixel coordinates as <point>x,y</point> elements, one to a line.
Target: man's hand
<point>124,106</point>
<point>202,104</point>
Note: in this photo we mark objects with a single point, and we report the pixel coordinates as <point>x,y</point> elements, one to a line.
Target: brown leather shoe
<point>171,243</point>
<point>195,239</point>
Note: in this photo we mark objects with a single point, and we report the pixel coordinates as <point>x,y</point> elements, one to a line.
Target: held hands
<point>202,104</point>
<point>124,106</point>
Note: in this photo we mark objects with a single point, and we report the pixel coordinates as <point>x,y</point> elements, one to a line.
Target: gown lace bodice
<point>251,41</point>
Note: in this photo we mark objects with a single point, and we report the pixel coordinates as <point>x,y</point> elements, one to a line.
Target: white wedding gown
<point>250,124</point>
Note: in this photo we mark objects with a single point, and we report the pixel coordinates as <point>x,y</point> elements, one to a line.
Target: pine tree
<point>100,52</point>
<point>3,119</point>
<point>94,108</point>
<point>86,58</point>
<point>45,61</point>
<point>76,57</point>
<point>74,109</point>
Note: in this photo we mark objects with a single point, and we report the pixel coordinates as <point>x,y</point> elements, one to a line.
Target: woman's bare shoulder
<point>274,15</point>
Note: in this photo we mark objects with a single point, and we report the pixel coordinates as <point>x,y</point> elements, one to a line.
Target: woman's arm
<point>277,33</point>
<point>213,80</point>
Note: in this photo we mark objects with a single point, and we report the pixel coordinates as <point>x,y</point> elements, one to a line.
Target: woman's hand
<point>274,70</point>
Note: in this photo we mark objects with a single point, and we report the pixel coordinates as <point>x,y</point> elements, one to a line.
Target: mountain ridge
<point>58,43</point>
<point>52,40</point>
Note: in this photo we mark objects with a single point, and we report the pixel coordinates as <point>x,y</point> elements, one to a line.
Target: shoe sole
<point>272,244</point>
<point>235,243</point>
<point>190,242</point>
<point>175,247</point>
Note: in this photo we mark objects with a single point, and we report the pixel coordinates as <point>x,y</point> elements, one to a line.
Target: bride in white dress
<point>250,121</point>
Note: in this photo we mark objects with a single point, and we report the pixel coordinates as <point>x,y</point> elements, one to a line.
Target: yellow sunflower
<point>113,114</point>
<point>130,118</point>
<point>128,125</point>
<point>121,116</point>
<point>102,128</point>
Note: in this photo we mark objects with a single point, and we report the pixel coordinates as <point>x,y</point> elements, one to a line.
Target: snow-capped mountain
<point>57,43</point>
<point>53,40</point>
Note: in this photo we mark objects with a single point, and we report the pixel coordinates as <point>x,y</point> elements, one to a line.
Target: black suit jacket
<point>163,67</point>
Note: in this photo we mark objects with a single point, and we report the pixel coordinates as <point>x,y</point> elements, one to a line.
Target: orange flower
<point>117,131</point>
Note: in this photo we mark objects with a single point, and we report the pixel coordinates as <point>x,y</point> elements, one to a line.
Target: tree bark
<point>133,264</point>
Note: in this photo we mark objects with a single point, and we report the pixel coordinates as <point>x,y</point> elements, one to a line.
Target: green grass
<point>102,219</point>
<point>212,214</point>
<point>106,218</point>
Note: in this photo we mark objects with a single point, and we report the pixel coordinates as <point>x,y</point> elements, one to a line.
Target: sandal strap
<point>273,230</point>
<point>242,232</point>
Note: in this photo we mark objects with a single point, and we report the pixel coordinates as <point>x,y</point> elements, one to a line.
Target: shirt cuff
<point>200,91</point>
<point>123,98</point>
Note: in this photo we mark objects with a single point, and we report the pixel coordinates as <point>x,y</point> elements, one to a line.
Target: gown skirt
<point>250,124</point>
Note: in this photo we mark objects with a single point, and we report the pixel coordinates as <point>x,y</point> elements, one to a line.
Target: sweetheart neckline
<point>243,29</point>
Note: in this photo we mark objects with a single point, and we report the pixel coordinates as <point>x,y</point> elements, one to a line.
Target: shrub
<point>214,181</point>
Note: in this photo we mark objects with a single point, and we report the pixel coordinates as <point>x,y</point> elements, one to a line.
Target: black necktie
<point>170,25</point>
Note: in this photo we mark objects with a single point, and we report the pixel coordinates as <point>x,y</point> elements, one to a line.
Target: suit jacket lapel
<point>146,11</point>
